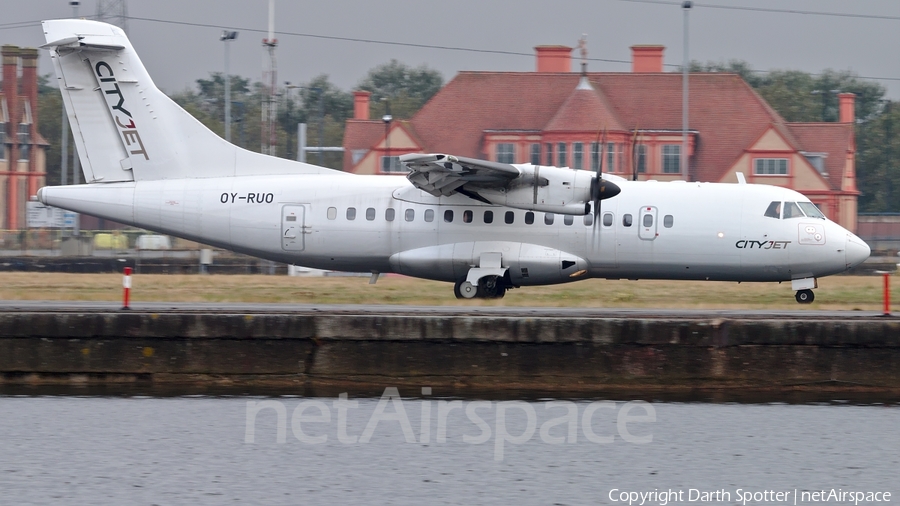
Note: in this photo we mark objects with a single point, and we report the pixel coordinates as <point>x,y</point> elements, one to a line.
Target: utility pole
<point>268,139</point>
<point>113,11</point>
<point>686,7</point>
<point>226,37</point>
<point>64,161</point>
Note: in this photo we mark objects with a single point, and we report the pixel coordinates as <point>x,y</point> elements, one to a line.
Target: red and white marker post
<point>887,293</point>
<point>126,285</point>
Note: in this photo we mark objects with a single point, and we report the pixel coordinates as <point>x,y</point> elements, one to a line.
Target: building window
<point>391,164</point>
<point>2,141</point>
<point>577,155</point>
<point>24,142</point>
<point>671,158</point>
<point>562,155</point>
<point>642,158</point>
<point>506,153</point>
<point>595,156</point>
<point>536,154</point>
<point>610,157</point>
<point>770,166</point>
<point>549,153</point>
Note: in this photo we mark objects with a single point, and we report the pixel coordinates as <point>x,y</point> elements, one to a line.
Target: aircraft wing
<point>440,174</point>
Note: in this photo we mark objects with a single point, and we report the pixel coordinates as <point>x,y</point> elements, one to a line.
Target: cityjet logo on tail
<point>747,244</point>
<point>116,101</point>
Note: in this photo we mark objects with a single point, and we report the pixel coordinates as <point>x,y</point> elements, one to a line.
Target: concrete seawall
<point>453,352</point>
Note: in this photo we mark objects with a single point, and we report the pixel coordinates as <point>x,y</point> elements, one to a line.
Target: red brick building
<point>557,117</point>
<point>22,149</point>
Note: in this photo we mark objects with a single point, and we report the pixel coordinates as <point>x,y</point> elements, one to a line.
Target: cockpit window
<point>811,210</point>
<point>774,210</point>
<point>792,210</point>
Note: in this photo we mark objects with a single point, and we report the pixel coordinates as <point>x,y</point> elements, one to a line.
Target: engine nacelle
<point>546,189</point>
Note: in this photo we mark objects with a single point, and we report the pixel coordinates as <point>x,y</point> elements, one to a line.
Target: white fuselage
<point>339,222</point>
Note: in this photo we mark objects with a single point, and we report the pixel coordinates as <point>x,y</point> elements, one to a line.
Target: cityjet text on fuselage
<point>751,244</point>
<point>116,101</point>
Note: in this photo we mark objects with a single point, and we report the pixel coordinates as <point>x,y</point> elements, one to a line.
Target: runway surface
<point>448,311</point>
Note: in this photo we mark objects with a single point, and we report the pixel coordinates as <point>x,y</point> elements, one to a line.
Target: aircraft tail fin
<point>125,128</point>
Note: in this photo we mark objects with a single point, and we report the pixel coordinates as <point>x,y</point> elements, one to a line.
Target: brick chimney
<point>29,58</point>
<point>847,107</point>
<point>553,58</point>
<point>361,104</point>
<point>647,58</point>
<point>11,92</point>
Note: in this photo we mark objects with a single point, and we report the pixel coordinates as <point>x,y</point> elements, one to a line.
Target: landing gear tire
<point>805,296</point>
<point>465,290</point>
<point>490,287</point>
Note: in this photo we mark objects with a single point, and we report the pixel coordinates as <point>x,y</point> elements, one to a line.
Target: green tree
<point>49,126</point>
<point>406,88</point>
<point>878,160</point>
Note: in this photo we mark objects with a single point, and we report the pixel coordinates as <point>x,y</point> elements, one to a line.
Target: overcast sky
<point>178,40</point>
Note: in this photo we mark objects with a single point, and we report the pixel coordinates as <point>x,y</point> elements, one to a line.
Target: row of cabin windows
<point>509,217</point>
<point>588,156</point>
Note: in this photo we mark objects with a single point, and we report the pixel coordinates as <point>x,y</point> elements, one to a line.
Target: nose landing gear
<point>805,296</point>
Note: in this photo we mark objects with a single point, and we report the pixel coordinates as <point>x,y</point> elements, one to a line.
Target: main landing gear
<point>805,296</point>
<point>489,287</point>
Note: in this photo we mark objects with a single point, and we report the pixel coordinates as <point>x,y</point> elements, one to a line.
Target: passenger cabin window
<point>529,218</point>
<point>468,216</point>
<point>607,219</point>
<point>774,210</point>
<point>509,218</point>
<point>351,213</point>
<point>448,216</point>
<point>389,214</point>
<point>370,214</point>
<point>648,220</point>
<point>568,219</point>
<point>410,214</point>
<point>792,210</point>
<point>626,220</point>
<point>811,210</point>
<point>489,216</point>
<point>588,219</point>
<point>668,221</point>
<point>548,218</point>
<point>332,213</point>
<point>429,215</point>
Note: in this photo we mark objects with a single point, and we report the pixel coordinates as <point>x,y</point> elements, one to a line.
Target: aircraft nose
<point>857,251</point>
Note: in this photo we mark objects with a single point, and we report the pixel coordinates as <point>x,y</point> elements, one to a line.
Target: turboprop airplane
<point>484,226</point>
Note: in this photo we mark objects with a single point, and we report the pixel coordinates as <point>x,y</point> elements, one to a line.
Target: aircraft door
<point>293,227</point>
<point>647,223</point>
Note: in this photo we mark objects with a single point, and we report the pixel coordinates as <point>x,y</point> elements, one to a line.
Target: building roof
<point>360,134</point>
<point>835,139</point>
